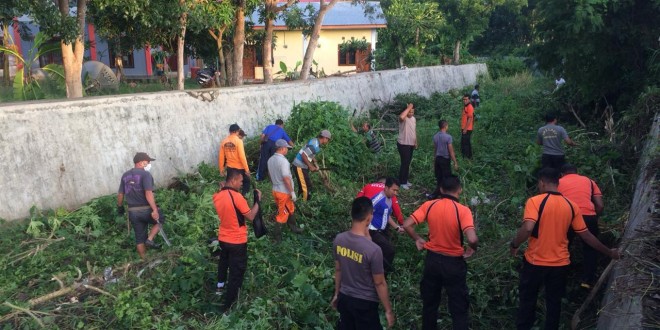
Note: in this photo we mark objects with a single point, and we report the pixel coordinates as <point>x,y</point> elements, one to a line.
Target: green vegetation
<point>289,285</point>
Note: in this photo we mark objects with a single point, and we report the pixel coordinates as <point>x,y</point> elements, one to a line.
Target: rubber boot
<point>292,224</point>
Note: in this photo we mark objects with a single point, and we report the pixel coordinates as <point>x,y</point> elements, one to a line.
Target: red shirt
<point>468,112</point>
<point>372,189</point>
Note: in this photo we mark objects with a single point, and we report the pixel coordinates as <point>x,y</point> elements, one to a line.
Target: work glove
<point>293,196</point>
<point>121,210</point>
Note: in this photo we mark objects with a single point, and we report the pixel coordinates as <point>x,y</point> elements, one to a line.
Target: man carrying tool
<point>546,221</point>
<point>373,143</point>
<point>585,193</point>
<point>283,192</point>
<point>305,162</point>
<point>232,209</point>
<point>137,186</point>
<point>269,136</point>
<point>233,152</point>
<point>383,197</point>
<point>444,266</point>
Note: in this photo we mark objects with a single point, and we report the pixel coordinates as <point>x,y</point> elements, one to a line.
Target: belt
<point>139,208</point>
<point>378,230</point>
<point>436,254</point>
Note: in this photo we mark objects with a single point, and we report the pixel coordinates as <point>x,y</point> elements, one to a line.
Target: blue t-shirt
<point>382,211</point>
<point>310,150</point>
<point>275,133</point>
<point>133,184</point>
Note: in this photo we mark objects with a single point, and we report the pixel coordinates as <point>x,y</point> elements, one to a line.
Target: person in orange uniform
<point>467,124</point>
<point>444,266</point>
<point>233,153</point>
<point>585,193</point>
<point>546,221</point>
<point>232,209</point>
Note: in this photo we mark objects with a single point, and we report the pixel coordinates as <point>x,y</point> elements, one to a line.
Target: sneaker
<point>585,285</point>
<point>431,196</point>
<point>151,244</point>
<point>220,291</point>
<point>406,186</point>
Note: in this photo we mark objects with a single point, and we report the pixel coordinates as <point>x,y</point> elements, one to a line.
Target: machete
<point>163,235</point>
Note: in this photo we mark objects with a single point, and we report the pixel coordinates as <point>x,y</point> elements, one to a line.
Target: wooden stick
<point>27,311</point>
<point>93,288</point>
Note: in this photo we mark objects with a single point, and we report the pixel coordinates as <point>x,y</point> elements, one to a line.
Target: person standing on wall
<point>283,192</point>
<point>585,193</point>
<point>550,137</point>
<point>546,221</point>
<point>137,187</point>
<point>233,152</point>
<point>406,143</point>
<point>444,266</point>
<point>269,136</point>
<point>383,202</point>
<point>467,124</point>
<point>444,154</point>
<point>232,210</point>
<point>305,162</point>
<point>359,276</point>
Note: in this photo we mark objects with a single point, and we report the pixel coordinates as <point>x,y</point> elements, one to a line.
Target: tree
<point>180,43</point>
<point>54,19</point>
<point>271,10</point>
<point>604,48</point>
<point>466,19</point>
<point>131,24</point>
<point>215,19</point>
<point>314,37</point>
<point>510,30</point>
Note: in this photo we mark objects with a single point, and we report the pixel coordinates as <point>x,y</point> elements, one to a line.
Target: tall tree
<point>271,10</point>
<point>466,19</point>
<point>238,42</point>
<point>55,19</point>
<point>324,7</point>
<point>180,44</point>
<point>605,48</point>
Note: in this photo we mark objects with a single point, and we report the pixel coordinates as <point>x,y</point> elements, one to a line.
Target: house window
<point>345,57</point>
<point>127,59</point>
<point>52,57</point>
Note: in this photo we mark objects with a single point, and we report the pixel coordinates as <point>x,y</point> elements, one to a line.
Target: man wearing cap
<point>137,186</point>
<point>305,161</point>
<point>283,192</point>
<point>585,193</point>
<point>269,136</point>
<point>233,152</point>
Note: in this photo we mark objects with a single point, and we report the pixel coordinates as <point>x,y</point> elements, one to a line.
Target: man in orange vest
<point>546,221</point>
<point>585,193</point>
<point>233,152</point>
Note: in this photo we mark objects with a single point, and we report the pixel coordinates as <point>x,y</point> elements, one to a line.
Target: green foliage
<point>290,73</point>
<point>353,45</point>
<point>505,66</point>
<point>289,285</point>
<point>346,152</point>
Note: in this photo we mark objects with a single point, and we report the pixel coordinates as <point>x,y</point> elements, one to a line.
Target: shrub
<point>505,66</point>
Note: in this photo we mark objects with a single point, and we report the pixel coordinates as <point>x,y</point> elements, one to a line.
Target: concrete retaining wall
<point>64,153</point>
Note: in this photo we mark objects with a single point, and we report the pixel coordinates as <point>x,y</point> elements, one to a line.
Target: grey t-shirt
<point>550,137</point>
<point>279,168</point>
<point>359,259</point>
<point>442,140</point>
<point>133,184</point>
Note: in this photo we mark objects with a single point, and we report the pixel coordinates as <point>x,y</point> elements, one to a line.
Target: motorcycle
<point>206,77</point>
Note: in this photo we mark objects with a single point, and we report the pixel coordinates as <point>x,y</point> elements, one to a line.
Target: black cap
<point>234,128</point>
<point>142,156</point>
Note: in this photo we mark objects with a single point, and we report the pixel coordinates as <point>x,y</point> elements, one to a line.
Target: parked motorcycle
<point>206,77</point>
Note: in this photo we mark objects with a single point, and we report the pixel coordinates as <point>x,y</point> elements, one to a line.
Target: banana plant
<point>25,85</point>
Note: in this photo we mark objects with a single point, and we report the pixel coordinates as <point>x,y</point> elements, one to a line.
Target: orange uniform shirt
<point>232,151</point>
<point>229,230</point>
<point>551,246</point>
<point>579,189</point>
<point>444,231</point>
<point>468,112</point>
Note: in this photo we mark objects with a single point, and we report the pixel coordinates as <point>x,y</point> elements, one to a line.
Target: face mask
<point>147,168</point>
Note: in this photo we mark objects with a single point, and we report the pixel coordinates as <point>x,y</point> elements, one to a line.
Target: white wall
<point>64,153</point>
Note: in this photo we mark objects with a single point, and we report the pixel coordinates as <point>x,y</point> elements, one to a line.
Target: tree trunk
<point>180,42</point>
<point>72,54</point>
<point>400,47</point>
<point>267,48</point>
<point>239,41</point>
<point>314,38</point>
<point>230,65</point>
<point>5,41</point>
<point>457,52</point>
<point>221,54</point>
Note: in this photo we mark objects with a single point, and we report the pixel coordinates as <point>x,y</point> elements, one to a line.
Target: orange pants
<point>285,206</point>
